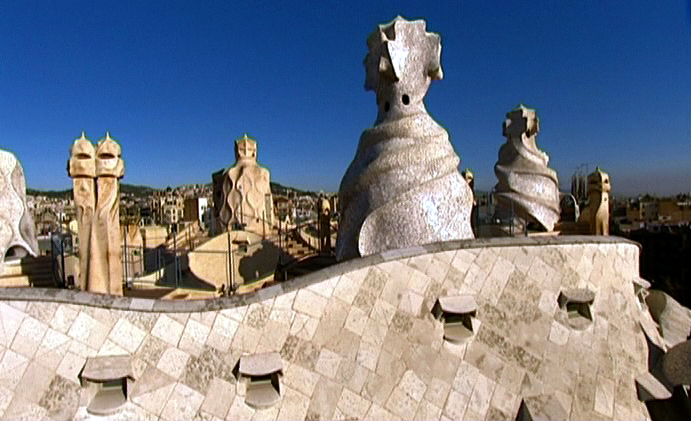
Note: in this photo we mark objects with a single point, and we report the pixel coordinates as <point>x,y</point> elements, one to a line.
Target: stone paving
<point>358,340</point>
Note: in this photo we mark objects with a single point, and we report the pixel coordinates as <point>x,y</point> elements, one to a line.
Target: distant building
<point>195,209</point>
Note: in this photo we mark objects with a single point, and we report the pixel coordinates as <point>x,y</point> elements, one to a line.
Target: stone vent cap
<point>576,296</point>
<point>461,304</point>
<point>263,370</point>
<point>262,364</point>
<point>458,314</point>
<point>107,381</point>
<point>106,369</point>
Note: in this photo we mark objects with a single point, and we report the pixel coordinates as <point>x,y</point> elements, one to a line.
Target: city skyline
<point>176,83</point>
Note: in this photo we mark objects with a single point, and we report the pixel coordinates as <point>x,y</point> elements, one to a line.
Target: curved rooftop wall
<point>357,340</point>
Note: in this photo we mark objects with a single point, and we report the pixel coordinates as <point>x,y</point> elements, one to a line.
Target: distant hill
<point>137,191</point>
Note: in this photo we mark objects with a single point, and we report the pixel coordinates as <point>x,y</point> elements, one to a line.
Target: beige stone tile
<point>182,404</point>
<point>462,260</point>
<point>418,281</point>
<point>356,320</point>
<point>11,319</point>
<point>456,405</point>
<point>309,303</point>
<point>523,259</point>
<point>111,348</point>
<point>427,411</point>
<point>412,385</point>
<point>328,363</point>
<point>411,302</point>
<point>284,301</point>
<point>374,332</point>
<point>88,330</point>
<point>325,288</point>
<point>466,377</point>
<point>382,312</point>
<point>52,349</point>
<point>81,349</point>
<point>393,287</point>
<point>352,405</point>
<point>368,355</point>
<point>154,400</point>
<point>475,279</point>
<point>376,412</point>
<point>70,367</point>
<point>239,411</point>
<point>559,334</point>
<point>127,335</point>
<point>401,403</point>
<point>206,318</point>
<point>246,339</point>
<point>194,337</point>
<point>222,333</point>
<point>347,288</point>
<point>235,313</point>
<point>304,326</point>
<point>548,303</point>
<point>219,398</point>
<point>273,337</point>
<point>29,337</point>
<point>168,330</point>
<point>173,362</point>
<point>300,379</point>
<point>325,397</point>
<point>504,400</point>
<point>266,414</point>
<point>284,316</point>
<point>437,392</point>
<point>294,405</point>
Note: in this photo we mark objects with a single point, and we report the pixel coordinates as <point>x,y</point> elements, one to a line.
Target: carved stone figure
<point>96,177</point>
<point>17,235</point>
<point>105,266</point>
<point>245,188</point>
<point>527,189</point>
<point>597,212</point>
<point>82,168</point>
<point>403,187</point>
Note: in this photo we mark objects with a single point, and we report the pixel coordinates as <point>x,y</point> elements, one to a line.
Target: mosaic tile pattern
<point>361,344</point>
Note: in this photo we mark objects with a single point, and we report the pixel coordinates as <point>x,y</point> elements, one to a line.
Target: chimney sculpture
<point>527,189</point>
<point>96,177</point>
<point>403,187</point>
<point>17,234</point>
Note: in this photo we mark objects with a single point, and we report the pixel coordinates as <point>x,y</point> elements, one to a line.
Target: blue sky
<point>176,82</point>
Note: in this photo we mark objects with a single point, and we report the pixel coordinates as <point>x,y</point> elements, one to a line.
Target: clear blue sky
<point>177,82</point>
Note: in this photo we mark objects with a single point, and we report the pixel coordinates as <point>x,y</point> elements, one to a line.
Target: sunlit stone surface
<point>527,189</point>
<point>17,236</point>
<point>403,187</point>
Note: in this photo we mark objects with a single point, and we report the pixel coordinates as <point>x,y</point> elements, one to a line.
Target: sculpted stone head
<point>521,121</point>
<point>245,149</point>
<point>108,158</point>
<point>17,235</point>
<point>402,61</point>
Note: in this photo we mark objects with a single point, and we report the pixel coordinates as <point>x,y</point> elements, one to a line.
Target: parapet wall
<point>357,340</point>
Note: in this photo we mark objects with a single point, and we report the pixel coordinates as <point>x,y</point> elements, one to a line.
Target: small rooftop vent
<point>107,381</point>
<point>458,314</point>
<point>261,373</point>
<point>576,307</point>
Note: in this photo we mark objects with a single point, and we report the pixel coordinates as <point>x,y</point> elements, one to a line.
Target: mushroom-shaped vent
<point>107,381</point>
<point>458,314</point>
<point>261,372</point>
<point>576,307</point>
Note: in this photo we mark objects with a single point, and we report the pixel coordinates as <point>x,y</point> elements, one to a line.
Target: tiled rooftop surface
<point>358,340</point>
